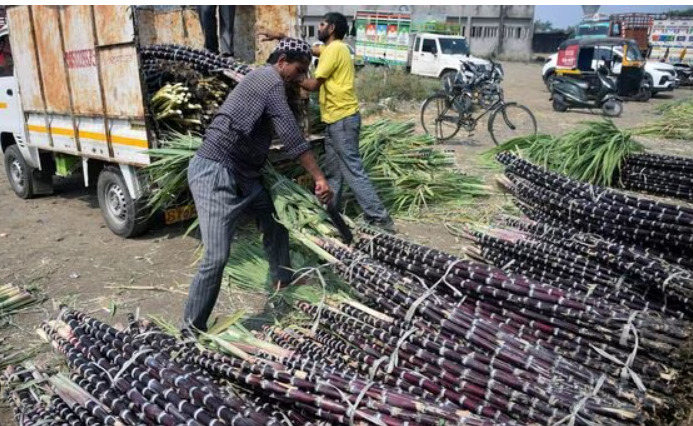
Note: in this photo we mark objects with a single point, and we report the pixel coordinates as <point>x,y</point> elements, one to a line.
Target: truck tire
<point>18,173</point>
<point>123,215</point>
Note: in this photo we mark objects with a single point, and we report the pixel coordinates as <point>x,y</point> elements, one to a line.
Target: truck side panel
<point>121,83</point>
<point>78,32</point>
<point>25,61</point>
<point>86,54</point>
<point>176,26</point>
<point>47,28</point>
<point>114,24</point>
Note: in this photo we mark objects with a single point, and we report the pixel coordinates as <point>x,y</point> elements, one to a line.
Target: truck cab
<point>435,55</point>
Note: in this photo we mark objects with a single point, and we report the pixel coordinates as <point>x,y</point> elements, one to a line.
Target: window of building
<point>477,32</point>
<point>310,31</point>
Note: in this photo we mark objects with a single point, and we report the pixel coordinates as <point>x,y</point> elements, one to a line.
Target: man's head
<point>291,58</point>
<point>333,24</point>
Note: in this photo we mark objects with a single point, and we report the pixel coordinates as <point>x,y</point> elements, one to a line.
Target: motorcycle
<point>482,84</point>
<point>569,93</point>
<point>684,73</point>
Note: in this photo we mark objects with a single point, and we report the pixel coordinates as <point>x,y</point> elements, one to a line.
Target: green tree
<point>542,26</point>
<point>681,12</point>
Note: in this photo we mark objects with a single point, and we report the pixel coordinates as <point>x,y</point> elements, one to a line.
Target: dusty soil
<point>60,245</point>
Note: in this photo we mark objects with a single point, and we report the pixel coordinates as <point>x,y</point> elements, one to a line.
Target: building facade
<point>502,31</point>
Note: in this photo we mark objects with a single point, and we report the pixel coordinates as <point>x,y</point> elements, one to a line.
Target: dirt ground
<point>60,245</point>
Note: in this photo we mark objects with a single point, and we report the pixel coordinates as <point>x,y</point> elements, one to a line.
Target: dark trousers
<point>214,33</point>
<point>219,207</point>
<point>343,164</point>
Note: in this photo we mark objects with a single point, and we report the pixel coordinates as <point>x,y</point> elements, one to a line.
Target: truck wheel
<point>123,215</point>
<point>18,172</point>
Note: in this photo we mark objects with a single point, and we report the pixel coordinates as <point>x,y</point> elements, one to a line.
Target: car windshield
<point>592,30</point>
<point>453,46</point>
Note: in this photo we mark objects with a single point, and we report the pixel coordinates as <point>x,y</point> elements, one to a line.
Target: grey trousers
<point>223,32</point>
<point>343,164</point>
<point>219,207</point>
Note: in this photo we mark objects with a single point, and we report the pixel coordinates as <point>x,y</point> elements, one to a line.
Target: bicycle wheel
<point>511,121</point>
<point>439,118</point>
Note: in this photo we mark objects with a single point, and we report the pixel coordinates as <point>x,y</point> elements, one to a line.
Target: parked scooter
<point>569,93</point>
<point>684,73</point>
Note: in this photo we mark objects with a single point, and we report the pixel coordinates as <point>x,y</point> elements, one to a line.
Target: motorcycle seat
<point>579,83</point>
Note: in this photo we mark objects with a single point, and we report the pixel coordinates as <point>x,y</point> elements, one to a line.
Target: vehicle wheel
<point>550,78</point>
<point>559,103</point>
<point>645,95</point>
<point>612,108</point>
<point>123,215</point>
<point>439,118</point>
<point>650,81</point>
<point>18,172</point>
<point>511,121</point>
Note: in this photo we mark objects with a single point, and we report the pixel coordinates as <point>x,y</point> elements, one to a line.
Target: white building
<point>504,31</point>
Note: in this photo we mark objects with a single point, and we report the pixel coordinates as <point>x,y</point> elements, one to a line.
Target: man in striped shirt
<point>224,175</point>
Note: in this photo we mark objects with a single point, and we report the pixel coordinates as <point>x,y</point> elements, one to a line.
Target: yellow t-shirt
<point>337,95</point>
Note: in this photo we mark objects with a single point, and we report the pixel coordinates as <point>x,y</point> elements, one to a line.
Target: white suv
<point>661,76</point>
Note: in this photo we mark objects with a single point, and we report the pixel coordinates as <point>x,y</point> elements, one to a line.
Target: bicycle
<point>443,114</point>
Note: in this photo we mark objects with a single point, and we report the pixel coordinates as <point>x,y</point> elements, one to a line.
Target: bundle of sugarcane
<point>675,122</point>
<point>320,386</point>
<point>566,316</point>
<point>143,375</point>
<point>12,299</point>
<point>168,173</point>
<point>202,60</point>
<point>557,200</point>
<point>208,91</point>
<point>409,173</point>
<point>587,265</point>
<point>465,348</point>
<point>137,376</point>
<point>594,153</point>
<point>174,109</point>
<point>665,175</point>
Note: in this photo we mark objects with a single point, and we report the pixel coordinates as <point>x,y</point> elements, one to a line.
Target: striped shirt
<point>240,134</point>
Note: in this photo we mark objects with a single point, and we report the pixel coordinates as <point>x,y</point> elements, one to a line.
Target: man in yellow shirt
<point>339,109</point>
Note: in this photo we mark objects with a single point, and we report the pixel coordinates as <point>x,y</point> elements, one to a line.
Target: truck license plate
<point>179,214</point>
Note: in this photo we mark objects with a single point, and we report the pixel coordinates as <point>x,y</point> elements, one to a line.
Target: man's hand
<point>323,191</point>
<point>270,35</point>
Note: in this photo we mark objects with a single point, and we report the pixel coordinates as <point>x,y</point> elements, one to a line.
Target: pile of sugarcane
<point>503,346</point>
<point>201,60</point>
<point>142,375</point>
<point>409,174</point>
<point>586,265</point>
<point>129,377</point>
<point>666,175</point>
<point>675,122</point>
<point>593,153</point>
<point>559,201</point>
<point>173,107</point>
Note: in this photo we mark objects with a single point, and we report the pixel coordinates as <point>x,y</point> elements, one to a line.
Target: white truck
<point>435,55</point>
